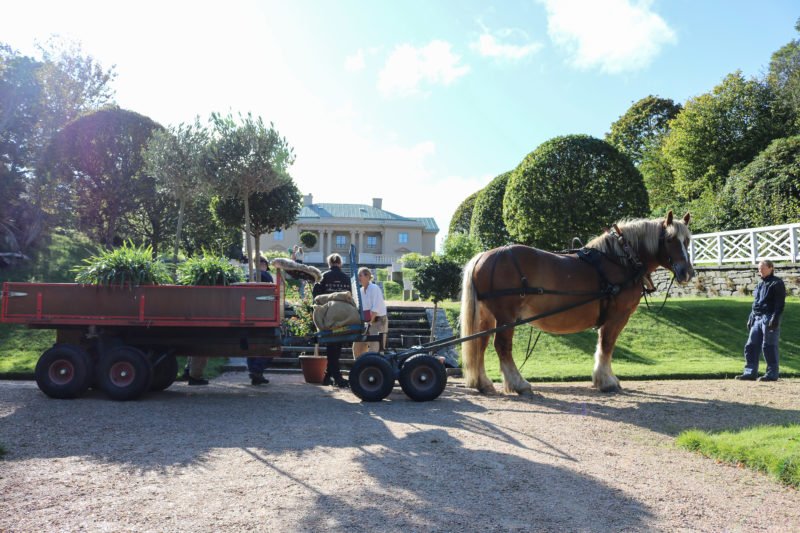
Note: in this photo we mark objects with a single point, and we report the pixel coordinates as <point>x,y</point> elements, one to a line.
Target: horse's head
<point>673,247</point>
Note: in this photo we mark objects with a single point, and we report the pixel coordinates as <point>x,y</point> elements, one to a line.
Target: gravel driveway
<point>295,457</point>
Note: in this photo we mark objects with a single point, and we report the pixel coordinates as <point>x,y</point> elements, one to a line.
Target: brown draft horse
<point>510,283</point>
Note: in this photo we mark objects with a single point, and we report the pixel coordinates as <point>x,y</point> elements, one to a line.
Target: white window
<point>372,241</point>
<point>278,235</point>
<point>341,241</point>
<point>402,238</point>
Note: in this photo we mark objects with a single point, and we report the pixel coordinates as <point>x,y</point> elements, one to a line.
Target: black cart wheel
<point>124,373</point>
<point>165,372</point>
<point>423,378</point>
<point>371,378</point>
<point>64,371</point>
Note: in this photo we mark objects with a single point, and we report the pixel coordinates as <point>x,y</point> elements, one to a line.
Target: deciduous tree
<point>487,226</point>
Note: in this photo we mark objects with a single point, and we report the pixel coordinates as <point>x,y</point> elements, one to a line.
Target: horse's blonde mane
<point>642,234</point>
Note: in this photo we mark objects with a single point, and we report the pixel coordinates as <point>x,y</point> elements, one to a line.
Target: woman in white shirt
<point>372,301</point>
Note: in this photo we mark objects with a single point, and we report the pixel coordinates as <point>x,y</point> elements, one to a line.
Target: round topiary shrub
<point>571,186</point>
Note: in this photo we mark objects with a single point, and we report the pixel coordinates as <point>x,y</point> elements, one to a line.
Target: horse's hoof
<point>489,390</point>
<point>611,387</point>
<point>529,393</point>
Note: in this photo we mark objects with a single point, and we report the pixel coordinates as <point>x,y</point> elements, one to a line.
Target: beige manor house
<point>381,237</point>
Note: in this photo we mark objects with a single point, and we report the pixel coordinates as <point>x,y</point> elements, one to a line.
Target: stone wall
<point>725,281</point>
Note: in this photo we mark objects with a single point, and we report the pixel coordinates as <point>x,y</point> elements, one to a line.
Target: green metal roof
<point>359,211</point>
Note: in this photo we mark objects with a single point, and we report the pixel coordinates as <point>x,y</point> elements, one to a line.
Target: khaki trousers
<point>377,325</point>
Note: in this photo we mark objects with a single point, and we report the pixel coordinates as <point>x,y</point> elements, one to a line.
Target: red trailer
<point>124,339</point>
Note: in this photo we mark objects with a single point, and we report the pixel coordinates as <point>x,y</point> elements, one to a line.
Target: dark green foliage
<point>208,270</point>
<point>438,279</point>
<point>720,129</point>
<point>767,191</point>
<point>127,264</point>
<point>269,211</point>
<point>784,77</point>
<point>95,162</point>
<point>569,187</point>
<point>462,217</point>
<point>392,290</point>
<point>308,239</point>
<point>487,226</point>
<point>645,121</point>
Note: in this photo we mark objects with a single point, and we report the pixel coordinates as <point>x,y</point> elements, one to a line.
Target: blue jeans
<point>761,339</point>
<point>256,365</point>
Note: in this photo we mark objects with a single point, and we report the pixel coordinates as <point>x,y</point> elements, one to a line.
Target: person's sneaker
<point>196,381</point>
<point>767,378</point>
<point>747,377</point>
<point>258,379</point>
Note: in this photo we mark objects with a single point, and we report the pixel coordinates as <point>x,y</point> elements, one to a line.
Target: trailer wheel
<point>165,372</point>
<point>371,378</point>
<point>423,378</point>
<point>64,371</point>
<point>124,373</point>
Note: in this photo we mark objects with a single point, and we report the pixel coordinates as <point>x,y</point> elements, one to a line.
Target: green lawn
<point>689,338</point>
<point>771,449</point>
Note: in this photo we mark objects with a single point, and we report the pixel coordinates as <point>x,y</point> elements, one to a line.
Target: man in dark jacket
<point>333,280</point>
<point>764,325</point>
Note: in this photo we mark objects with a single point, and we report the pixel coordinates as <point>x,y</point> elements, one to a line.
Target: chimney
<point>308,199</point>
<point>377,203</point>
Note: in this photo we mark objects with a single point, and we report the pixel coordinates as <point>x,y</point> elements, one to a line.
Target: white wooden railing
<point>777,243</point>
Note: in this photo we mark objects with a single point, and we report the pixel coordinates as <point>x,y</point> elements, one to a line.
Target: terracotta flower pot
<point>313,367</point>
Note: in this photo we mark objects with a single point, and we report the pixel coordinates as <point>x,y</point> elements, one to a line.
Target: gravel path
<point>295,457</point>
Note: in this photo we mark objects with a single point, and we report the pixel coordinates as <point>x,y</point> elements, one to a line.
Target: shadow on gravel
<point>406,449</point>
<point>665,413</point>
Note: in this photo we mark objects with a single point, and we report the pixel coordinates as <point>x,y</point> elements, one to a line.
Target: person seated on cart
<point>374,312</point>
<point>333,280</point>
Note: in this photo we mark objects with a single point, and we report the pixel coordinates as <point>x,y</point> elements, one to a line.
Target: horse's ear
<point>686,218</point>
<point>668,220</point>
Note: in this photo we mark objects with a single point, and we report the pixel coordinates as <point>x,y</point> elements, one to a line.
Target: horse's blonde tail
<point>470,323</point>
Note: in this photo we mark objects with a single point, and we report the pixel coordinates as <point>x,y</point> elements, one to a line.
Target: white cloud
<point>488,46</point>
<point>355,62</point>
<point>408,68</point>
<point>612,35</point>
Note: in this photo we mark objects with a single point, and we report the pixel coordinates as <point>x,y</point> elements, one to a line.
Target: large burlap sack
<point>335,310</point>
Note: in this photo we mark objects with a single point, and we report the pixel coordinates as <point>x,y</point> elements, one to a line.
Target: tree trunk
<point>258,254</point>
<point>248,244</point>
<point>433,322</point>
<point>181,204</point>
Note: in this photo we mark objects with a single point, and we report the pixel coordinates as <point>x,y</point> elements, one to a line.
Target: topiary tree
<point>643,123</point>
<point>462,217</point>
<point>571,186</point>
<point>437,279</point>
<point>487,227</point>
<point>308,239</point>
<point>767,191</point>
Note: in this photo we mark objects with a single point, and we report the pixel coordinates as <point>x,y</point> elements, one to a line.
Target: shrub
<point>412,260</point>
<point>126,264</point>
<point>487,226</point>
<point>460,248</point>
<point>208,270</point>
<point>392,290</point>
<point>569,187</point>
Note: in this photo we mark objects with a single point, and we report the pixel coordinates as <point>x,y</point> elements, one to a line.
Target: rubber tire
<point>59,359</point>
<point>423,378</point>
<point>124,387</point>
<point>371,378</point>
<point>165,373</point>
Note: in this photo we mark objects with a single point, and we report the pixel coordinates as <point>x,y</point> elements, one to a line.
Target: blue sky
<point>420,103</point>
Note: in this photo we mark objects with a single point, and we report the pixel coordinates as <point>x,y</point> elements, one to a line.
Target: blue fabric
<point>256,365</point>
<point>761,339</point>
<point>266,277</point>
<point>769,299</point>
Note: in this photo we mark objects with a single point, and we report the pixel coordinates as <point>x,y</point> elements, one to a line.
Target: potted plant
<point>127,265</point>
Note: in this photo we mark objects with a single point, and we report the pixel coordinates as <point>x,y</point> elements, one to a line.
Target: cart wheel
<point>165,372</point>
<point>124,373</point>
<point>371,378</point>
<point>423,378</point>
<point>64,371</point>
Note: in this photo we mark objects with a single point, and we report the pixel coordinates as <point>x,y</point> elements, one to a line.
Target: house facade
<point>381,237</point>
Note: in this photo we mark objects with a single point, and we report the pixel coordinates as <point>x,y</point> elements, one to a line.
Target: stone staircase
<point>408,326</point>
